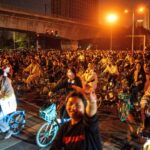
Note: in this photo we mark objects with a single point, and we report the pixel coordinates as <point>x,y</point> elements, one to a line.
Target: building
<point>146,19</point>
<point>85,11</point>
<point>59,19</point>
<point>78,10</point>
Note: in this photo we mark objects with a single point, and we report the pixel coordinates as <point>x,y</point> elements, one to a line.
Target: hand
<point>87,91</point>
<point>87,88</point>
<point>50,94</point>
<point>92,97</point>
<point>138,82</point>
<point>1,96</point>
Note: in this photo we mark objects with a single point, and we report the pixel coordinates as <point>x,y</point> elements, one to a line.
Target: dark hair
<point>1,72</point>
<point>73,70</point>
<point>77,94</point>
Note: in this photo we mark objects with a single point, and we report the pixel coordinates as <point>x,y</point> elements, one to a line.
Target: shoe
<point>8,134</point>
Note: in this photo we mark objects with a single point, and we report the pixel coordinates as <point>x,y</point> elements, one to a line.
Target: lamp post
<point>132,45</point>
<point>139,10</point>
<point>14,39</point>
<point>111,19</point>
<point>37,41</point>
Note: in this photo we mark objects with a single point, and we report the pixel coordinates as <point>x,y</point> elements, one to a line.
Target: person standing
<point>8,102</point>
<point>82,131</point>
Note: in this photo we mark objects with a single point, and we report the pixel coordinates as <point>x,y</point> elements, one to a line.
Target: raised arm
<point>91,107</point>
<point>91,99</point>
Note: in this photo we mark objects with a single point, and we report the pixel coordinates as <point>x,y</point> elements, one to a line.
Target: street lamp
<point>37,41</point>
<point>111,19</point>
<point>14,39</point>
<point>140,10</point>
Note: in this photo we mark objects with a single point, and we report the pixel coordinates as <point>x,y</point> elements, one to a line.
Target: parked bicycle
<point>47,132</point>
<point>124,105</point>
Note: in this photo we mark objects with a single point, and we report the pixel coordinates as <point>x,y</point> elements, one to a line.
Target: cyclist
<point>144,101</point>
<point>66,83</point>
<point>112,71</point>
<point>7,102</point>
<point>139,79</point>
<point>82,131</point>
<point>90,76</point>
<point>34,71</point>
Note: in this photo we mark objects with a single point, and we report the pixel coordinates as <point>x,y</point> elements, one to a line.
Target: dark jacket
<point>66,84</point>
<point>84,135</point>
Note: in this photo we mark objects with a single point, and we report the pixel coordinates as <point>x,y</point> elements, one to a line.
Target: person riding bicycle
<point>82,131</point>
<point>34,71</point>
<point>66,83</point>
<point>144,102</point>
<point>90,76</point>
<point>112,71</point>
<point>139,79</point>
<point>8,102</point>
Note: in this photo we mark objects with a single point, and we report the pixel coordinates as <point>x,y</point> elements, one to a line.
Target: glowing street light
<point>126,11</point>
<point>141,9</point>
<point>111,19</point>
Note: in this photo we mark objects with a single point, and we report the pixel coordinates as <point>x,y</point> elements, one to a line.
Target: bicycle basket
<point>48,113</point>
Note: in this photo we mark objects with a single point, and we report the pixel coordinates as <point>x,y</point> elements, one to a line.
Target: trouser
<point>3,125</point>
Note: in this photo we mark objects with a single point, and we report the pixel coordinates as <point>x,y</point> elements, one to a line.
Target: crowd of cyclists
<point>87,69</point>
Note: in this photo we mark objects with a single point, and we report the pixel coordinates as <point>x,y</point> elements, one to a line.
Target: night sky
<point>118,7</point>
<point>122,3</point>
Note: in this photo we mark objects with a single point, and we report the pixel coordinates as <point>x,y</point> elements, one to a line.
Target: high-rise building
<point>146,20</point>
<point>76,10</point>
<point>81,10</point>
<point>143,19</point>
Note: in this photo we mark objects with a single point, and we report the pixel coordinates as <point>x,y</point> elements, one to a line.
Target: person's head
<point>138,65</point>
<point>5,62</point>
<point>75,105</point>
<point>91,66</point>
<point>1,74</point>
<point>71,73</point>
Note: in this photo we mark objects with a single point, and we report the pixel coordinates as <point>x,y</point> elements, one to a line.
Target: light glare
<point>112,18</point>
<point>141,10</point>
<point>126,11</point>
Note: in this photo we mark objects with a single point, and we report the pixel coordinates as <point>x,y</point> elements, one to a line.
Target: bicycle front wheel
<point>46,134</point>
<point>17,121</point>
<point>123,111</point>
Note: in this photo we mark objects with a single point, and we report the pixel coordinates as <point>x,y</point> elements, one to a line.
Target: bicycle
<point>124,105</point>
<point>146,145</point>
<point>47,131</point>
<point>15,120</point>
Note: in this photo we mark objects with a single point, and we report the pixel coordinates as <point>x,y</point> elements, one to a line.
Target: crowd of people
<point>82,69</point>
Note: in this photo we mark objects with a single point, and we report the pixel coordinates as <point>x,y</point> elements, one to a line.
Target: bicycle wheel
<point>16,121</point>
<point>46,134</point>
<point>123,111</point>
